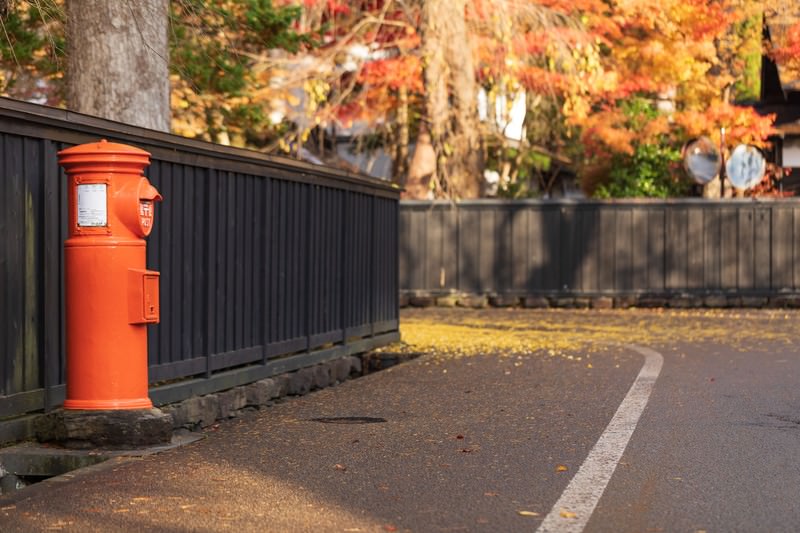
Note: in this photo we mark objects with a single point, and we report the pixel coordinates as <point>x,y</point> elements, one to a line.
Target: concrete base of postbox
<point>128,428</point>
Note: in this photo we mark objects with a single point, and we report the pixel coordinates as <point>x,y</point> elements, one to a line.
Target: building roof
<point>779,17</point>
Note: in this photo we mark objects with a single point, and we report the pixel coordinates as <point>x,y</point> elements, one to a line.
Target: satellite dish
<point>746,167</point>
<point>702,160</point>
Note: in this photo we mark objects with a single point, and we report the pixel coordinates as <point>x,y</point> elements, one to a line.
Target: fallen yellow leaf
<point>561,468</point>
<point>527,513</point>
<point>567,514</point>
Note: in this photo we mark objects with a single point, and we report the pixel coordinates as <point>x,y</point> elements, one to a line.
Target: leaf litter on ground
<point>577,334</point>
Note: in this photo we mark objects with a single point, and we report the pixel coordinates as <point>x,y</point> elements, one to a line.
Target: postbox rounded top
<point>103,153</point>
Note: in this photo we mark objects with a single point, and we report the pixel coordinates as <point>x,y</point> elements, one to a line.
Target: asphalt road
<point>480,443</point>
<point>717,449</point>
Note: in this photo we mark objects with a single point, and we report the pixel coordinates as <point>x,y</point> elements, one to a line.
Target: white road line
<point>573,509</point>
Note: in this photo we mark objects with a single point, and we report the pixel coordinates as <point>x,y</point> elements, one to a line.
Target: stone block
<point>650,302</point>
<point>753,301</point>
<point>716,301</point>
<point>791,301</point>
<point>602,302</point>
<point>447,301</point>
<point>282,381</point>
<point>231,401</point>
<point>504,300</point>
<point>582,303</point>
<point>321,376</point>
<point>356,366</point>
<point>535,302</point>
<point>261,392</point>
<point>563,302</point>
<point>422,301</point>
<point>300,382</point>
<point>473,301</point>
<point>199,411</point>
<point>119,429</point>
<point>341,369</point>
<point>625,302</point>
<point>684,302</point>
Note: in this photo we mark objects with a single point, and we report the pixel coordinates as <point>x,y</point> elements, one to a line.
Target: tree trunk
<point>422,169</point>
<point>118,61</point>
<point>450,78</point>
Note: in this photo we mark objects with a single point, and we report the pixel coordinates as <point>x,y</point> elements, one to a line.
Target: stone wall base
<point>562,301</point>
<point>129,428</point>
<point>139,428</point>
<point>202,411</point>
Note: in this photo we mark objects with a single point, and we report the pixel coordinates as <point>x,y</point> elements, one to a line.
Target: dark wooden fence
<point>267,265</point>
<point>576,248</point>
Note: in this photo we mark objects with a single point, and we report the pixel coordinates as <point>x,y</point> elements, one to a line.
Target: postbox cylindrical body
<point>110,295</point>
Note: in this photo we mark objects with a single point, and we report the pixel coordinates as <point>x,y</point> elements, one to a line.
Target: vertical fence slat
<point>407,248</point>
<point>503,251</point>
<point>536,251</point>
<point>450,244</point>
<point>53,260</point>
<point>712,249</point>
<point>746,277</point>
<point>552,230</point>
<point>434,247</point>
<point>15,302</point>
<point>639,249</point>
<point>179,273</point>
<point>782,247</point>
<point>570,279</point>
<point>468,266</point>
<point>211,258</point>
<point>418,233</point>
<point>656,250</point>
<point>486,245</point>
<point>762,238</point>
<point>200,278</point>
<point>590,249</point>
<point>729,248</point>
<point>677,248</point>
<point>694,248</point>
<point>608,244</point>
<point>6,272</point>
<point>520,251</point>
<point>623,279</point>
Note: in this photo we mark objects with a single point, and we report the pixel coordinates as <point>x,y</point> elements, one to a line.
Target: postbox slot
<point>143,301</point>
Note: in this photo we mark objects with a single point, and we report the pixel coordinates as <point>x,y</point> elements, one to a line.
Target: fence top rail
<point>592,202</point>
<point>70,127</point>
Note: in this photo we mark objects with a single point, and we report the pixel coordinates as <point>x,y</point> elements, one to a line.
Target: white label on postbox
<point>92,205</point>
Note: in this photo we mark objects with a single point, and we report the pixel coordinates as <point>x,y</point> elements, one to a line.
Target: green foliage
<point>272,26</point>
<point>32,41</point>
<point>649,172</point>
<point>212,41</point>
<point>527,168</point>
<point>222,69</point>
<point>207,65</point>
<point>22,42</point>
<point>748,85</point>
<point>638,111</point>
